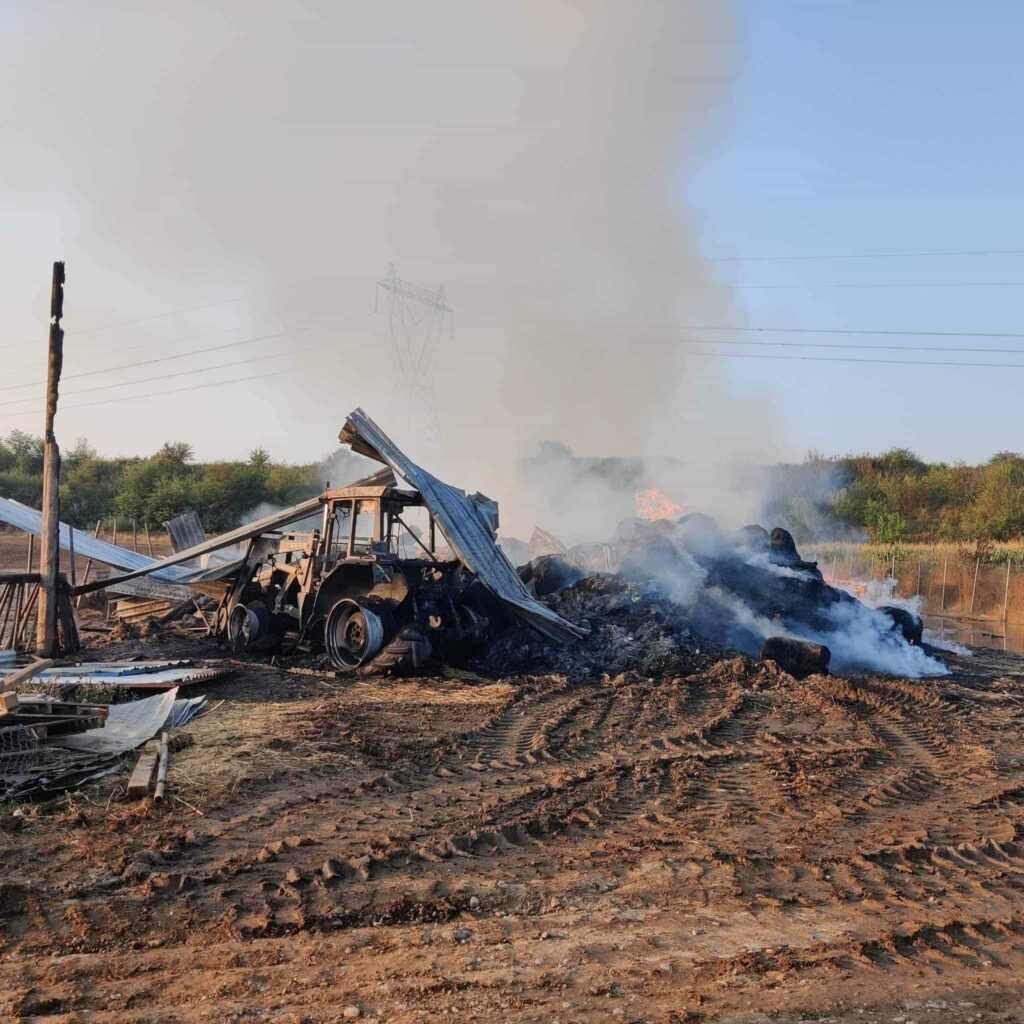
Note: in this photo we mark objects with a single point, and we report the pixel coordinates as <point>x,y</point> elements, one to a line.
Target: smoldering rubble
<point>370,592</point>
<point>749,591</point>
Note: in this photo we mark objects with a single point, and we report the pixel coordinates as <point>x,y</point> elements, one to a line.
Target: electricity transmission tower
<point>417,318</point>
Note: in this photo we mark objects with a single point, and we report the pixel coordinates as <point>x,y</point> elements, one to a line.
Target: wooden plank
<point>142,774</point>
<point>28,671</point>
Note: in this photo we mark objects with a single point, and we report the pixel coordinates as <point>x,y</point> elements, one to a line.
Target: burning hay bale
<point>738,591</point>
<point>911,626</point>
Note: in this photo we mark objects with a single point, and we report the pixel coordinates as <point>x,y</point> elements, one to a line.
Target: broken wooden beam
<point>26,673</point>
<point>161,772</point>
<point>142,774</point>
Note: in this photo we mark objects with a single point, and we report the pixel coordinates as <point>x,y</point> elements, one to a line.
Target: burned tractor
<point>401,567</point>
<point>370,584</point>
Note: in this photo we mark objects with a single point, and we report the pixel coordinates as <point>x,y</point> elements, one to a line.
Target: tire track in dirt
<point>733,794</point>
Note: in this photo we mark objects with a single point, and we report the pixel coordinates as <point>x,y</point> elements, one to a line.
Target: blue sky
<point>861,126</point>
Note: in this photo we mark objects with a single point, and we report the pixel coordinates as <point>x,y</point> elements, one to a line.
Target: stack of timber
<point>140,609</point>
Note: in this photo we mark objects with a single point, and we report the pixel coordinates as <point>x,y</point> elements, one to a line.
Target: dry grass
<point>998,552</point>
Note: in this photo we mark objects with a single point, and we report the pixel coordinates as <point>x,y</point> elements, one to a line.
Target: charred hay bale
<point>752,538</point>
<point>632,629</point>
<point>699,534</point>
<point>549,574</point>
<point>782,547</point>
<point>797,657</point>
<point>782,551</point>
<point>642,531</point>
<point>909,624</point>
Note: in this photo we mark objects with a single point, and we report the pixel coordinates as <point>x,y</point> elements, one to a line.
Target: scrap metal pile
<point>49,745</point>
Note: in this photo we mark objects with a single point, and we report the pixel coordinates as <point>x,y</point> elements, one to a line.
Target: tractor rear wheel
<point>353,635</point>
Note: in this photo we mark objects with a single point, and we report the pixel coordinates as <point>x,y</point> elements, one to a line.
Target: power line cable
<point>157,316</point>
<point>167,376</point>
<point>164,359</point>
<point>837,330</point>
<point>854,359</point>
<point>160,394</point>
<point>741,286</point>
<point>79,331</point>
<point>860,346</point>
<point>865,255</point>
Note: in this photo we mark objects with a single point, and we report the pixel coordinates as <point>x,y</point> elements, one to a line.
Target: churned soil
<point>720,843</point>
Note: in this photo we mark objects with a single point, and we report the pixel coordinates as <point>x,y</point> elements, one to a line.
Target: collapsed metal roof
<point>240,533</point>
<point>459,518</point>
<point>30,521</point>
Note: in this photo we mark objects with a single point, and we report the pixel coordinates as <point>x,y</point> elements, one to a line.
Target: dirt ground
<point>731,845</point>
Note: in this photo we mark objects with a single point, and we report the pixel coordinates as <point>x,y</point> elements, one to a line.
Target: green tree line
<point>156,488</point>
<point>891,497</point>
<point>897,496</point>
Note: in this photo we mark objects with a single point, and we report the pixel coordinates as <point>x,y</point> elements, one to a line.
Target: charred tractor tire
<point>250,627</point>
<point>408,652</point>
<point>909,624</point>
<point>797,657</point>
<point>353,634</point>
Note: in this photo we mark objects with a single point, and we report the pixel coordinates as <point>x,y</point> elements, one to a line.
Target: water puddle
<point>1000,636</point>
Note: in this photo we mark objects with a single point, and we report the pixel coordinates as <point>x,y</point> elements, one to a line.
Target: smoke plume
<point>270,160</point>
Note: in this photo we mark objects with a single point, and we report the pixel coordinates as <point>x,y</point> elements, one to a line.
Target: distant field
<point>14,550</point>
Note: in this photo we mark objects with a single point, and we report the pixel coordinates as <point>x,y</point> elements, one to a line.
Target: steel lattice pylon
<point>417,318</point>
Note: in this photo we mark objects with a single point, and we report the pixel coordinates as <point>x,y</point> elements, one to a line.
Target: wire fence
<point>947,580</point>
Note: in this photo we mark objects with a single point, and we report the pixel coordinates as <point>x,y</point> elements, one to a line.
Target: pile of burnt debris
<point>632,627</point>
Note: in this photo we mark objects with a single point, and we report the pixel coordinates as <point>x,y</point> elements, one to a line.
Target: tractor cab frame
<point>370,583</point>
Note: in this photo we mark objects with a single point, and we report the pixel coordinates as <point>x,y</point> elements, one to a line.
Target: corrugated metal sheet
<point>154,676</point>
<point>30,521</point>
<point>241,533</point>
<point>186,531</point>
<point>459,519</point>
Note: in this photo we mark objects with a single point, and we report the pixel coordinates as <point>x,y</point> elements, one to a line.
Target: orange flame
<point>653,504</point>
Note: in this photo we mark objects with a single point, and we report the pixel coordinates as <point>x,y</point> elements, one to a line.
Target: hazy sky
<point>572,172</point>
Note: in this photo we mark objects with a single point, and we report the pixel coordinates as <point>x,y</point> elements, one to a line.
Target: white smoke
<point>860,638</point>
<point>876,593</point>
<point>533,157</point>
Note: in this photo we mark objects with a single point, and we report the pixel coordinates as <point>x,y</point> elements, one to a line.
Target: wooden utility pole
<point>49,541</point>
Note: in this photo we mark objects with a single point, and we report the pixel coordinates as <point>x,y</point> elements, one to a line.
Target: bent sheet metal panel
<point>127,726</point>
<point>86,545</point>
<point>241,533</point>
<point>460,522</point>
